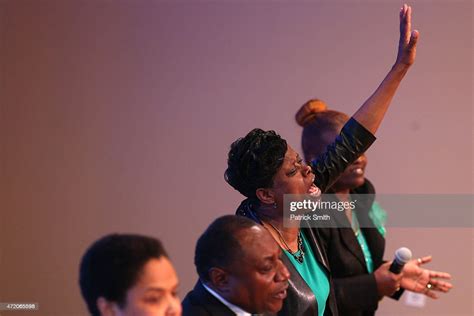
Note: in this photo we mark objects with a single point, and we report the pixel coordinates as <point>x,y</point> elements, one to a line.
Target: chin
<point>358,182</point>
<point>275,308</point>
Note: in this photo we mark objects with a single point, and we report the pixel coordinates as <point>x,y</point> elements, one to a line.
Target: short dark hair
<point>111,266</point>
<point>219,246</point>
<point>254,160</point>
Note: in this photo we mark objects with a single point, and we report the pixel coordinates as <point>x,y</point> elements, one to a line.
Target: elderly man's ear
<point>219,279</point>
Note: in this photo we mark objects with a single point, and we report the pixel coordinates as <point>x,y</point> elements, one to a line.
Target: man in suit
<point>240,271</point>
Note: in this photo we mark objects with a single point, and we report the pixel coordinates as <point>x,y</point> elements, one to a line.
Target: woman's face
<point>155,293</point>
<point>293,177</point>
<point>352,177</point>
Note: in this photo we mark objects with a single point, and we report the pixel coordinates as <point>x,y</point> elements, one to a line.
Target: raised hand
<point>408,39</point>
<point>419,280</point>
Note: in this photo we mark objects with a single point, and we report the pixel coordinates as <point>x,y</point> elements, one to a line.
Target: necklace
<point>298,254</point>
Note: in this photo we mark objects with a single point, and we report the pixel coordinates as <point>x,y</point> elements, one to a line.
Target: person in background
<point>355,251</point>
<point>125,275</point>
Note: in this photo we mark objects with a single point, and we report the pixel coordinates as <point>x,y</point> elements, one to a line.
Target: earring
<point>274,205</point>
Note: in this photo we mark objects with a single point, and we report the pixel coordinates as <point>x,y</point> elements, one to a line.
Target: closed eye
<point>292,172</point>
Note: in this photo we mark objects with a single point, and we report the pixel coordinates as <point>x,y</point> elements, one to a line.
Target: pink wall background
<point>116,116</point>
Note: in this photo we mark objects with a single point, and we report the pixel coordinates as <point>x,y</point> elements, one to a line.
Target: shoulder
<point>195,301</point>
<point>199,302</point>
<point>192,308</point>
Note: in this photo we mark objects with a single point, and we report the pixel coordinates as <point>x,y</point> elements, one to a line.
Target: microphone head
<point>403,255</point>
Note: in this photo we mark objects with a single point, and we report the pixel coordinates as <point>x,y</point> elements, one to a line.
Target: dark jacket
<point>348,146</point>
<point>356,289</point>
<point>199,302</point>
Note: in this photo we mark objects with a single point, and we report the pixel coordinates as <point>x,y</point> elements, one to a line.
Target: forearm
<point>371,113</point>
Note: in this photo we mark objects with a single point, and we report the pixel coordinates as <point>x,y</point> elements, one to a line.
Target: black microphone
<point>402,256</point>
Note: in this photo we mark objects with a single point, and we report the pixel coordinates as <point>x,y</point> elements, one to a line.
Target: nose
<point>306,170</point>
<point>361,159</point>
<point>174,307</point>
<point>282,273</point>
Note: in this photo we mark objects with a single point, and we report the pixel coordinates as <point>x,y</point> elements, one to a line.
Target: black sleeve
<point>396,296</point>
<point>352,142</point>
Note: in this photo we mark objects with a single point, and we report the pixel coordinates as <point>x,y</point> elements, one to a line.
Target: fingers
<point>406,35</point>
<point>431,294</point>
<point>428,291</point>
<point>402,14</point>
<point>408,18</point>
<point>404,26</point>
<point>424,260</point>
<point>440,275</point>
<point>413,39</point>
<point>441,286</point>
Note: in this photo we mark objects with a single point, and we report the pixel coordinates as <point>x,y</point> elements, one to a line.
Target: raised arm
<point>371,113</point>
<point>354,139</point>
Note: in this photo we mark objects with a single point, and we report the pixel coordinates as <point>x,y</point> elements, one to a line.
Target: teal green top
<point>379,217</point>
<point>365,249</point>
<point>313,274</point>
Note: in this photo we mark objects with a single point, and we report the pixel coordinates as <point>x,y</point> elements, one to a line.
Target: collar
<point>237,310</point>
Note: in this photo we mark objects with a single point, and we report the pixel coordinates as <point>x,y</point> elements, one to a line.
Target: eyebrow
<point>155,289</point>
<point>160,289</point>
<point>297,157</point>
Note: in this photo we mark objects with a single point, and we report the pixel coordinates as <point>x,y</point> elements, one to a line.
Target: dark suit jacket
<point>199,302</point>
<point>356,289</point>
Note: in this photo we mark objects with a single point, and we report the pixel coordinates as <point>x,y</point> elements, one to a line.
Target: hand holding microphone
<point>389,275</point>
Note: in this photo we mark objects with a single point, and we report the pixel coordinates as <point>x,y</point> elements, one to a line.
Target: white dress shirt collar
<point>237,310</point>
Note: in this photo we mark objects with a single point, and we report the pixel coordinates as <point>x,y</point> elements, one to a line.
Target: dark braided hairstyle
<point>254,160</point>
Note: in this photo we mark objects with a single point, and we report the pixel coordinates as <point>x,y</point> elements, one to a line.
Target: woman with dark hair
<point>128,275</point>
<point>355,248</point>
<point>264,168</point>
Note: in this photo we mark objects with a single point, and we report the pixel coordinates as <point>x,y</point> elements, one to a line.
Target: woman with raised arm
<point>263,168</point>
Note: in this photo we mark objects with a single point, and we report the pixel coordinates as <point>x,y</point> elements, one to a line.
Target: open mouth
<point>314,191</point>
<point>357,171</point>
<point>281,295</point>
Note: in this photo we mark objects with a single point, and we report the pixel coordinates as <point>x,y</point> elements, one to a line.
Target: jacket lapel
<point>210,303</point>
